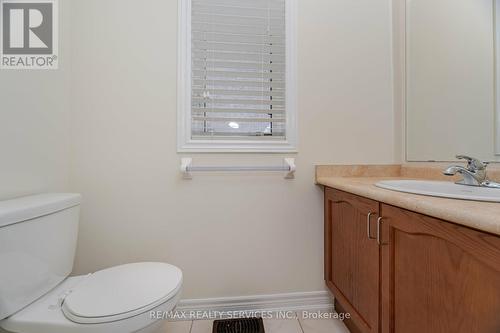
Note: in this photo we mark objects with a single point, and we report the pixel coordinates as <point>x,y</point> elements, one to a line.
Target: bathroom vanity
<point>406,263</point>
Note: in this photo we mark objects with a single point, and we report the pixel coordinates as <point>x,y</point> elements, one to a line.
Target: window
<point>236,76</point>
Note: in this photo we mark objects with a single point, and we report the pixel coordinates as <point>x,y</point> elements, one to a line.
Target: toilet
<point>38,237</point>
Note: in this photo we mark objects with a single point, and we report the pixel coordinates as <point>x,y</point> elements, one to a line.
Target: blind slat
<point>246,108</point>
<point>241,120</point>
<point>258,58</point>
<point>260,100</point>
<point>244,4</point>
<point>238,98</point>
<point>238,111</point>
<point>232,80</point>
<point>230,35</point>
<point>231,63</point>
<point>206,53</point>
<point>206,43</point>
<point>228,94</point>
<point>276,136</point>
<point>238,15</point>
<point>239,28</point>
<point>208,74</point>
<point>235,85</point>
<point>239,68</point>
<point>231,7</point>
<point>238,86</point>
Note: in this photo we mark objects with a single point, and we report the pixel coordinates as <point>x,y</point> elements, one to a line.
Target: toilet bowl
<point>37,241</point>
<point>119,299</point>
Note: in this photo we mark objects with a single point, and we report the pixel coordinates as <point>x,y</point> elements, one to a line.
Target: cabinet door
<point>438,277</point>
<point>352,258</point>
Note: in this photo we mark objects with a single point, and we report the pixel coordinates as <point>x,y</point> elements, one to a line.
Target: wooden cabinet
<point>352,257</point>
<point>427,275</point>
<point>438,277</point>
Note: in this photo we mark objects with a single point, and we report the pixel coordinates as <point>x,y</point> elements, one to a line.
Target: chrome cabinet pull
<point>379,222</point>
<point>368,226</point>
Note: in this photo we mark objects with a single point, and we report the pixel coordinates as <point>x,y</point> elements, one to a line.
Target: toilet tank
<point>38,236</point>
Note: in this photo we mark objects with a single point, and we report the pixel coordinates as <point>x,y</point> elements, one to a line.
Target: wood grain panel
<point>351,258</point>
<point>438,277</point>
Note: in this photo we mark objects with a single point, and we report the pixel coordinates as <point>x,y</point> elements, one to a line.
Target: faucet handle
<point>473,164</point>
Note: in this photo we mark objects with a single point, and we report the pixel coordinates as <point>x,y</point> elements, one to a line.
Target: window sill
<point>201,146</point>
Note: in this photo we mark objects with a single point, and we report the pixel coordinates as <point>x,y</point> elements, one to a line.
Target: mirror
<point>451,75</point>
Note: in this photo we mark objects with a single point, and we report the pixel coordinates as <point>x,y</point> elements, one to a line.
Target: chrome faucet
<point>474,173</point>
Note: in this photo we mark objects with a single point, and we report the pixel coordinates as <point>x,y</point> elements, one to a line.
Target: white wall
<point>231,234</point>
<point>34,125</point>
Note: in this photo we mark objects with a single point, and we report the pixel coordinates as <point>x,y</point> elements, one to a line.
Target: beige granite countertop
<point>361,180</point>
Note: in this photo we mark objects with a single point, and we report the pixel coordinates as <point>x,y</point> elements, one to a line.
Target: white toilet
<point>38,236</point>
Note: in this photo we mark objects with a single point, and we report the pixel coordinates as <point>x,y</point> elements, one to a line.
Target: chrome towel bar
<point>289,168</point>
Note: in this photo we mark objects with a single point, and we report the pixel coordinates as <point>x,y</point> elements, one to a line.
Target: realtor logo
<point>29,36</point>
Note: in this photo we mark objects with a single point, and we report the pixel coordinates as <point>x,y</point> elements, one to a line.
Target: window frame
<point>185,142</point>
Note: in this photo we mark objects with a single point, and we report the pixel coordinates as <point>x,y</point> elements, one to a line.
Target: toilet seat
<point>94,312</point>
<point>121,292</point>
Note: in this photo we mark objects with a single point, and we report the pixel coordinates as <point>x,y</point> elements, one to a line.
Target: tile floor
<point>271,325</point>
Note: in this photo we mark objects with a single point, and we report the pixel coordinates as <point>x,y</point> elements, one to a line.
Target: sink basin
<point>442,189</point>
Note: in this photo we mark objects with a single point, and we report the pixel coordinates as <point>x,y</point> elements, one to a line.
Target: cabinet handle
<point>368,226</point>
<point>379,222</point>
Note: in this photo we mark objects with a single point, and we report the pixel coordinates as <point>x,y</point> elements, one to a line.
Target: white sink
<point>442,189</point>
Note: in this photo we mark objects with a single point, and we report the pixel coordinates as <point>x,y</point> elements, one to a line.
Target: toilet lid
<point>121,292</point>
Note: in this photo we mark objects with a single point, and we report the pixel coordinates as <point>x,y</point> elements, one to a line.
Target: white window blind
<point>238,69</point>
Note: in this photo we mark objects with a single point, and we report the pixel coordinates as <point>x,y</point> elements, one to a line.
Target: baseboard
<point>310,301</point>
